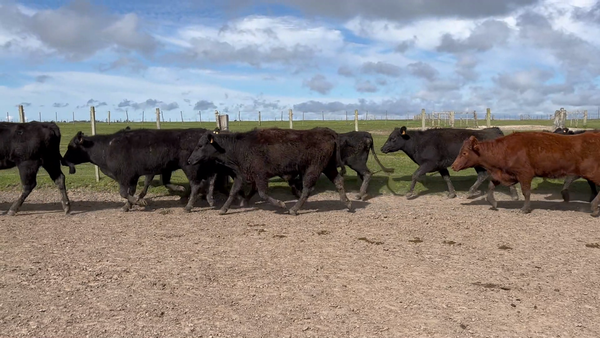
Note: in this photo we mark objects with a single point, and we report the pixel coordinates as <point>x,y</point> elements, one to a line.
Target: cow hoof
<point>282,205</point>
<point>364,197</point>
<point>595,213</point>
<point>125,209</point>
<point>187,210</point>
<point>11,213</point>
<point>493,208</point>
<point>525,210</point>
<point>410,196</point>
<point>67,209</point>
<point>565,196</point>
<point>179,188</point>
<point>141,202</point>
<point>349,207</point>
<point>211,202</point>
<point>293,212</point>
<point>222,212</point>
<point>451,195</point>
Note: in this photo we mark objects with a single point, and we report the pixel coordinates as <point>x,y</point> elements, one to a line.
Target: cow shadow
<point>435,184</point>
<point>579,190</point>
<point>284,194</point>
<point>535,205</point>
<point>77,207</point>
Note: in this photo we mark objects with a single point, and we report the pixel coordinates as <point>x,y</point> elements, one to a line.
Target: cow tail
<point>387,170</point>
<point>338,157</point>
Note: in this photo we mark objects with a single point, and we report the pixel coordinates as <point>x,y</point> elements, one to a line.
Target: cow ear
<point>474,144</point>
<point>79,138</point>
<point>403,133</point>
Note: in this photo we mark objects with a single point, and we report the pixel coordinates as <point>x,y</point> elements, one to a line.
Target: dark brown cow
<point>260,154</point>
<point>519,157</point>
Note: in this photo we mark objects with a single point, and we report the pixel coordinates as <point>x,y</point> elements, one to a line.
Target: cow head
<point>207,149</point>
<point>396,141</point>
<point>564,131</point>
<point>77,151</point>
<point>468,156</point>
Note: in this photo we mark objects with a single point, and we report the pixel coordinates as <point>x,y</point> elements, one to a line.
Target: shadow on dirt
<point>535,204</point>
<point>435,184</point>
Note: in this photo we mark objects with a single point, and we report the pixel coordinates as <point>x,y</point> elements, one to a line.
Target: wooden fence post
<point>217,119</point>
<point>488,118</point>
<point>157,118</point>
<point>224,122</point>
<point>356,120</point>
<point>109,117</point>
<point>423,127</point>
<point>585,117</point>
<point>452,119</point>
<point>291,119</point>
<point>21,114</point>
<point>259,120</point>
<point>475,118</point>
<point>93,122</point>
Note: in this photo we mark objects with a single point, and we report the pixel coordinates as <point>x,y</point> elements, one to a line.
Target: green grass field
<point>396,183</point>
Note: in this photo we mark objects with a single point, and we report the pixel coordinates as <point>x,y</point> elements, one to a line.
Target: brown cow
<point>519,157</point>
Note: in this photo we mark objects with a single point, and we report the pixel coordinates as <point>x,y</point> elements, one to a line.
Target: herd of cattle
<point>210,158</point>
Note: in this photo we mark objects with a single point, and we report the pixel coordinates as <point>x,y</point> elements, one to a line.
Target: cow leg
<point>446,175</point>
<point>210,195</point>
<point>28,172</point>
<point>127,191</point>
<point>526,189</point>
<point>514,195</point>
<point>565,189</point>
<point>309,179</point>
<point>56,174</point>
<point>262,185</point>
<point>166,181</point>
<point>124,192</point>
<point>334,176</point>
<point>147,182</point>
<point>235,188</point>
<point>594,191</point>
<point>247,197</point>
<point>422,170</point>
<point>195,189</point>
<point>594,204</point>
<point>482,175</point>
<point>490,194</point>
<point>365,175</point>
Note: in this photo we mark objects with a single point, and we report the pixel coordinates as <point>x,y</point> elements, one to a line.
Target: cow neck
<point>410,146</point>
<point>97,152</point>
<point>489,154</point>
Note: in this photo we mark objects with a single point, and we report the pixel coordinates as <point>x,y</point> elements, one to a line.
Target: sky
<point>190,58</point>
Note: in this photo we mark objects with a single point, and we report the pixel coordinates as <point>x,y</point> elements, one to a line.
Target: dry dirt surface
<point>428,267</point>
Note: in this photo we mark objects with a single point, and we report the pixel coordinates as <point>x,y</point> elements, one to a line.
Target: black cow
<point>125,156</point>
<point>354,147</point>
<point>570,179</point>
<point>165,178</point>
<point>29,146</point>
<point>258,155</point>
<point>436,149</point>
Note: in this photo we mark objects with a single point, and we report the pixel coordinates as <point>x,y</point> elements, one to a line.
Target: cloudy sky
<point>514,56</point>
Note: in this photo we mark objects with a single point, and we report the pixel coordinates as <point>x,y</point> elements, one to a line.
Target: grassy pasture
<point>396,183</point>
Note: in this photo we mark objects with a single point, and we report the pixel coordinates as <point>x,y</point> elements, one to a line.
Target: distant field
<point>381,183</point>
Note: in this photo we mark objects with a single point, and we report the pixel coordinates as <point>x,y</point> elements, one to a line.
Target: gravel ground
<point>428,267</point>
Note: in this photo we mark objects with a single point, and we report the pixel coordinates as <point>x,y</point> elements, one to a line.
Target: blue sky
<point>515,56</point>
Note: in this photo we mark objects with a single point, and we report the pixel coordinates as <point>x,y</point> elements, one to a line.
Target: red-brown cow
<point>519,157</point>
